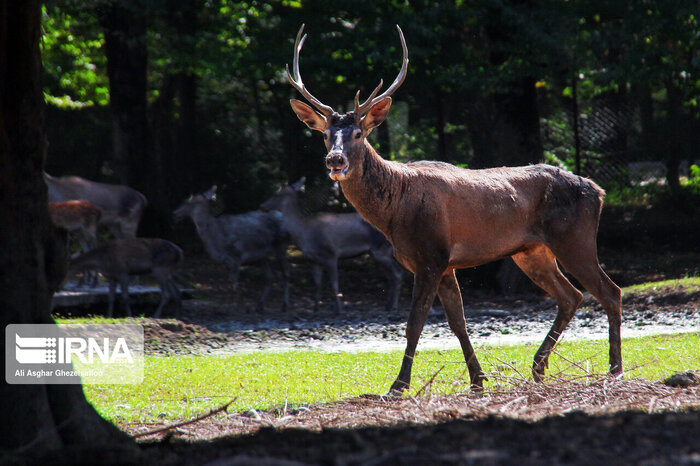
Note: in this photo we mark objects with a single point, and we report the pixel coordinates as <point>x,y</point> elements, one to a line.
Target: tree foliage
<point>484,77</point>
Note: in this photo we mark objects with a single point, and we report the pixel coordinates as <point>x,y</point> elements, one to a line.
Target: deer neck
<point>208,228</point>
<point>293,217</point>
<point>374,191</point>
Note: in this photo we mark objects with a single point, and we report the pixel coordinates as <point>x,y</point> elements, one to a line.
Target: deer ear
<point>299,185</point>
<point>376,115</point>
<point>309,116</point>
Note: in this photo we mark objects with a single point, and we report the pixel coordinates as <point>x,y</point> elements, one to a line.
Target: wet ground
<point>599,420</point>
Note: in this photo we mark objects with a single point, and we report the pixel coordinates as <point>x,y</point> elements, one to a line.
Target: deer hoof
<point>397,389</point>
<point>538,372</point>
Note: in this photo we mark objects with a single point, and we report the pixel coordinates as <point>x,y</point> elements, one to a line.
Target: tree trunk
<point>440,126</point>
<point>35,418</point>
<point>674,149</point>
<point>124,25</point>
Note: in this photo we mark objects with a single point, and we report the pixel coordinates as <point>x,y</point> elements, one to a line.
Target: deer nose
<point>336,160</point>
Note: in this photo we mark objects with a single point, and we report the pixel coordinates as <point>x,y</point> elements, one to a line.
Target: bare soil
<point>598,420</point>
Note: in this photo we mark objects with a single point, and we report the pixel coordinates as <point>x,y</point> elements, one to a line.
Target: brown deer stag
<point>439,218</point>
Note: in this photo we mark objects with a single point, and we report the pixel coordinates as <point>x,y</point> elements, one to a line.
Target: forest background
<point>172,96</point>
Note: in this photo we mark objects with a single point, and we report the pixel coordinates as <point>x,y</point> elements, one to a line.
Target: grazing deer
<point>122,206</point>
<point>235,240</point>
<point>119,259</point>
<point>326,237</point>
<point>439,218</point>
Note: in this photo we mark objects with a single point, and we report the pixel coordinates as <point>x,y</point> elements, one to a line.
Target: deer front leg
<point>425,285</point>
<point>332,268</point>
<point>124,285</point>
<point>284,266</point>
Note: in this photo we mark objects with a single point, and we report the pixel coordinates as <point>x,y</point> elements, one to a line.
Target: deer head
<point>344,134</point>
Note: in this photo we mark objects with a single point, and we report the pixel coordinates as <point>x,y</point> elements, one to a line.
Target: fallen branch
<point>184,423</point>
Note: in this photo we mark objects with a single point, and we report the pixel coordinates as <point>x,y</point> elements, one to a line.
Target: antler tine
<point>297,82</point>
<point>395,85</point>
<point>359,109</point>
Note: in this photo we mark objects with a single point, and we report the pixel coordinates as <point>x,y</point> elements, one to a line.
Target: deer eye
<point>358,134</point>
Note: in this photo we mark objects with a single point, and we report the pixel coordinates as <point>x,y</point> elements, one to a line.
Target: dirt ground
<point>598,420</point>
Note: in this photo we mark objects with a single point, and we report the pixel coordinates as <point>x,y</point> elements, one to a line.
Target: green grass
<point>181,387</point>
<point>689,285</point>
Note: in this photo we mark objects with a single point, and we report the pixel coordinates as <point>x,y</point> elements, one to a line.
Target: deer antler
<point>298,83</point>
<point>371,100</point>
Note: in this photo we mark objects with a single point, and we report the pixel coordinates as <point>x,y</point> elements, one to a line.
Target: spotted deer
<point>122,206</point>
<point>440,217</point>
<point>78,217</point>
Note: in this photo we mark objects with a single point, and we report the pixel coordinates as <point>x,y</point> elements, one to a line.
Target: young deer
<point>235,240</point>
<point>325,237</point>
<point>439,218</point>
<point>79,218</point>
<point>121,258</point>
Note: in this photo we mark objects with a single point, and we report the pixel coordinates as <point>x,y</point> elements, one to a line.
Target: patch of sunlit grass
<point>180,387</point>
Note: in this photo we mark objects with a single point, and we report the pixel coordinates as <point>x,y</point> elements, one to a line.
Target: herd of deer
<point>80,206</point>
<point>433,217</point>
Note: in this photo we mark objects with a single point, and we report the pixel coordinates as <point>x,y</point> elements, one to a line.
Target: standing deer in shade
<point>235,240</point>
<point>119,259</point>
<point>439,218</point>
<point>122,206</point>
<point>325,237</point>
<point>79,217</point>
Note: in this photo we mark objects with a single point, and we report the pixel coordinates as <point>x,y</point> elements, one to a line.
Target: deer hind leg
<point>539,263</point>
<point>582,263</point>
<point>425,285</point>
<point>162,277</point>
<point>234,268</point>
<point>451,299</point>
<point>318,279</point>
<point>281,256</point>
<point>266,288</point>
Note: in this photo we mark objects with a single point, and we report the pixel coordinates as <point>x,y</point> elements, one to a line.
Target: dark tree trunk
<point>440,126</point>
<point>674,149</point>
<point>35,418</point>
<point>124,25</point>
<point>512,123</point>
<point>125,48</point>
<point>185,169</point>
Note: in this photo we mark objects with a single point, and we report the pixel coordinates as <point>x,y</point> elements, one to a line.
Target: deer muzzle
<point>338,164</point>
